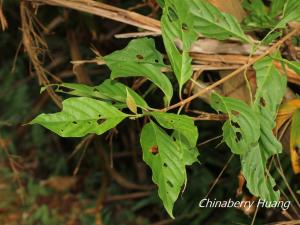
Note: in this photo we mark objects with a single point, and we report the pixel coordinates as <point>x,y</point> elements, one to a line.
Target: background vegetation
<point>48,180</point>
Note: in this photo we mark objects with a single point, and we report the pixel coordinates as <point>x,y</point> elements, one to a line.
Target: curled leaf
<point>130,102</point>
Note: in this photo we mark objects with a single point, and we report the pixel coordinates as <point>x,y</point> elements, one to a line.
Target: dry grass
<point>107,11</point>
<point>35,47</point>
<point>3,20</point>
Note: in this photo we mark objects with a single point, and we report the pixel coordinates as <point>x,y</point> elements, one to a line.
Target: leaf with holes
<point>178,36</point>
<point>189,149</point>
<point>81,116</point>
<point>259,181</point>
<point>267,101</point>
<point>182,123</point>
<point>242,129</point>
<point>185,133</point>
<point>162,154</point>
<point>210,22</point>
<point>268,98</point>
<point>140,58</point>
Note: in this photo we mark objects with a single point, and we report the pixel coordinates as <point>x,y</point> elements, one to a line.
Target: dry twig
<point>107,11</point>
<point>3,20</point>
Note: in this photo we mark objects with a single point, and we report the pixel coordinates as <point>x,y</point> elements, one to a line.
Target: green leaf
<point>211,22</point>
<point>258,16</point>
<point>117,91</point>
<point>164,157</point>
<point>242,129</point>
<point>291,12</point>
<point>81,116</point>
<point>108,90</point>
<point>185,133</point>
<point>254,170</point>
<point>140,58</point>
<point>254,126</point>
<point>81,90</point>
<point>256,6</point>
<point>183,20</point>
<point>161,3</point>
<point>254,162</point>
<point>276,7</point>
<point>271,37</point>
<point>177,29</point>
<point>189,149</point>
<point>181,123</point>
<point>174,153</point>
<point>267,100</point>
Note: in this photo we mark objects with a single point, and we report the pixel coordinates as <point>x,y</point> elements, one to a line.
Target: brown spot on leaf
<point>140,57</point>
<point>262,102</point>
<point>154,149</point>
<point>100,121</point>
<point>236,113</point>
<point>184,27</point>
